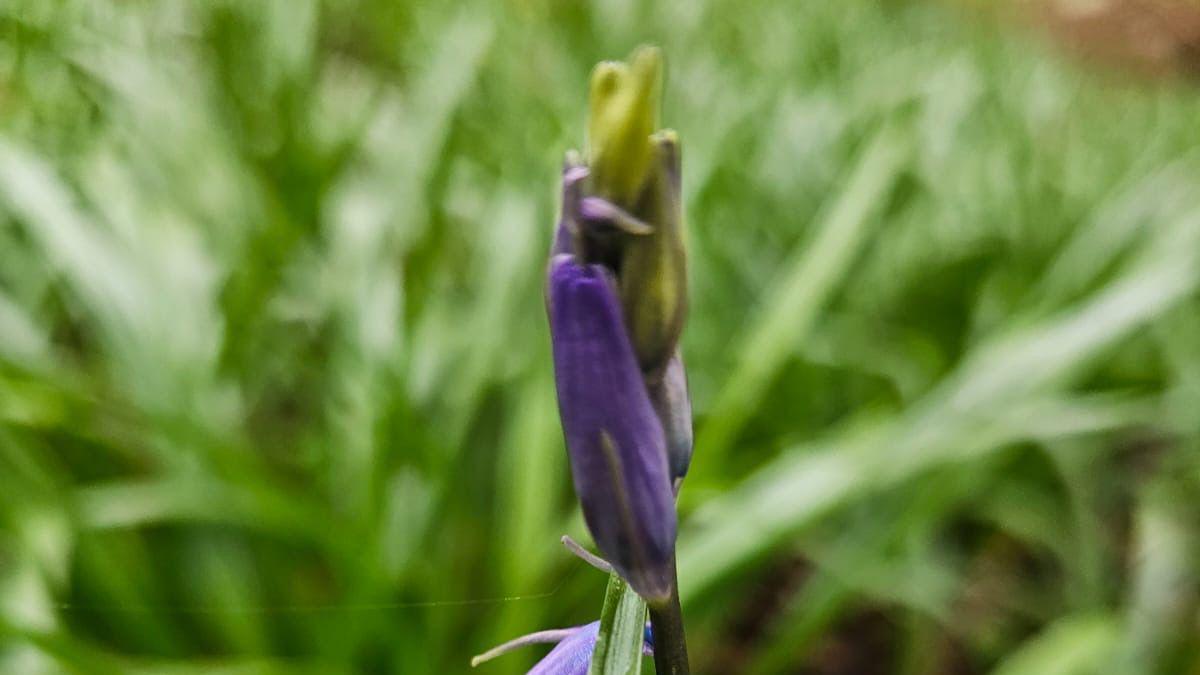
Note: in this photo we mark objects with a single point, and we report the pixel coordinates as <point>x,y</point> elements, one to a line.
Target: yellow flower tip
<point>646,67</point>
<point>666,137</point>
<point>606,80</point>
<point>623,112</point>
<point>666,145</point>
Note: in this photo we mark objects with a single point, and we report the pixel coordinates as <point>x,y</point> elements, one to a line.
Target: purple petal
<point>590,227</point>
<point>595,212</point>
<point>614,437</point>
<point>572,186</point>
<point>563,240</point>
<point>572,656</point>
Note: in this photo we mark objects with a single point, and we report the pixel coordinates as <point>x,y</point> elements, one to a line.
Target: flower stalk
<point>670,643</point>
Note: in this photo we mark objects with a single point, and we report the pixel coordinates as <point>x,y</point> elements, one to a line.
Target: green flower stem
<point>670,645</point>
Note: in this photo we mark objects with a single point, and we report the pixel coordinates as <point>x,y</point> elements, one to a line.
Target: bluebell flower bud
<point>590,231</point>
<point>614,437</point>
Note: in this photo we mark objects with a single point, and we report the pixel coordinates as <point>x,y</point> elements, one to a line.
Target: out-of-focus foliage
<point>275,389</point>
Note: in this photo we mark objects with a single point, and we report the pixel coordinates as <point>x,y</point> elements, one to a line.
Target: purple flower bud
<point>643,248</point>
<point>589,229</point>
<point>613,433</point>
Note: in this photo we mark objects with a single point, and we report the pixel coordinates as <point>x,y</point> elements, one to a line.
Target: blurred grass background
<point>275,389</point>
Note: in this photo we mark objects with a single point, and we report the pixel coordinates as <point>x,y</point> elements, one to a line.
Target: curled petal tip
<point>573,175</point>
<point>597,212</point>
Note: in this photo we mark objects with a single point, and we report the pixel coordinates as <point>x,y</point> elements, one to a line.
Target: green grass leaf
<point>790,308</point>
<point>622,629</point>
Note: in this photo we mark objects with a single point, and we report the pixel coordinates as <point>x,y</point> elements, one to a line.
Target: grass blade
<point>622,627</point>
<point>802,291</point>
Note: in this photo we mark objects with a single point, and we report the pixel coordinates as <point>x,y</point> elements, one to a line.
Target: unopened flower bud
<point>669,396</point>
<point>614,437</point>
<point>624,208</point>
<point>653,271</point>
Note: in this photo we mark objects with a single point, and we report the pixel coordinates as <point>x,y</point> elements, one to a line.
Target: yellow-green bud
<point>622,113</point>
<point>653,274</point>
<point>634,177</point>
